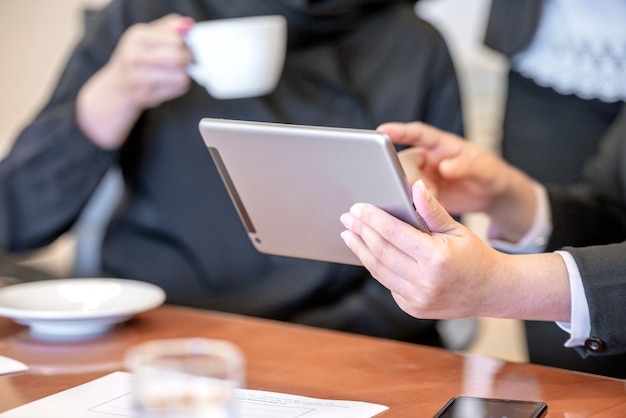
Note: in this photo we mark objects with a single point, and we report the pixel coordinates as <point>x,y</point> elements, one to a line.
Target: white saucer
<point>70,308</point>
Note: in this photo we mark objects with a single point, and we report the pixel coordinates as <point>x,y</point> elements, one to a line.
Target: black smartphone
<point>470,407</point>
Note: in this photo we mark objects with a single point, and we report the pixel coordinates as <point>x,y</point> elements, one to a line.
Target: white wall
<point>481,71</point>
<point>462,22</point>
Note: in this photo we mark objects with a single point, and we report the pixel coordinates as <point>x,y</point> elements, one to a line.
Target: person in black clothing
<point>125,100</point>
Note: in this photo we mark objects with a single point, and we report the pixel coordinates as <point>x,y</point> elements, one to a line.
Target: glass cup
<point>188,377</point>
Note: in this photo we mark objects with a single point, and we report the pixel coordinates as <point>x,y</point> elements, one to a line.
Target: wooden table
<point>414,381</point>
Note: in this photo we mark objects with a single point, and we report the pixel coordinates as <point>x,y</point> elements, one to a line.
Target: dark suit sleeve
<point>593,212</point>
<point>512,24</point>
<point>583,221</point>
<point>590,221</point>
<point>603,272</point>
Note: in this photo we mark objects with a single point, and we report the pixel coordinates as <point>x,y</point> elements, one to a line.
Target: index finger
<point>438,144</point>
<point>419,134</point>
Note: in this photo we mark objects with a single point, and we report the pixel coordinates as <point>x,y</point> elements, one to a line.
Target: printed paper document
<point>112,395</point>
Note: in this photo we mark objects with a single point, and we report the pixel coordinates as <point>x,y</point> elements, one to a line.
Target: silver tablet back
<point>291,183</point>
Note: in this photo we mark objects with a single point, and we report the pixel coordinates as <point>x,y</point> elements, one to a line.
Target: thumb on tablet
<point>435,216</point>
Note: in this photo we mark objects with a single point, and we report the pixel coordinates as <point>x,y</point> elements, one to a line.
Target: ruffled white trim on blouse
<point>579,48</point>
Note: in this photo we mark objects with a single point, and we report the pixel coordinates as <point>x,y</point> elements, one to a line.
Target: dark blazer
<point>590,218</point>
<point>512,24</point>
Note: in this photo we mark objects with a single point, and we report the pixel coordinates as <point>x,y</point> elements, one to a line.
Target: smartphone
<point>470,407</point>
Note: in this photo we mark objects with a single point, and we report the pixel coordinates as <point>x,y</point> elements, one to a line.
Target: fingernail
<point>345,236</point>
<point>185,25</point>
<point>425,193</point>
<point>346,220</point>
<point>356,210</point>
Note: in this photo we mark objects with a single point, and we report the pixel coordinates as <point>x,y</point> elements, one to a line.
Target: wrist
<point>105,111</point>
<point>536,287</point>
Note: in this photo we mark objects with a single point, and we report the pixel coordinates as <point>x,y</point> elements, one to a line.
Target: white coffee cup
<point>239,57</point>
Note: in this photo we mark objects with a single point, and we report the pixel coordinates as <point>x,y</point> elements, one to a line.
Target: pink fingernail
<point>185,25</point>
<point>425,192</point>
<point>356,210</point>
<point>346,220</point>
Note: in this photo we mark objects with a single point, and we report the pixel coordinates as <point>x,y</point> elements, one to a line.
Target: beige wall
<point>35,38</point>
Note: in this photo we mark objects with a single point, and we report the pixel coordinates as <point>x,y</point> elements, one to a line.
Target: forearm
<point>147,68</point>
<point>104,112</point>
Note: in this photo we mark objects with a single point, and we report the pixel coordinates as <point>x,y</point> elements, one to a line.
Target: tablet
<point>291,183</point>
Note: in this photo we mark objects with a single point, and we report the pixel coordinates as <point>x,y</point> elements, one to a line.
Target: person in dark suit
<point>125,100</point>
<point>565,83</point>
<point>579,281</point>
<point>565,89</point>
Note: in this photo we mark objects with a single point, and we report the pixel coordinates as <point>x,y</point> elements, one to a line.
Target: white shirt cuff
<point>579,326</point>
<point>535,241</point>
<point>536,238</point>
